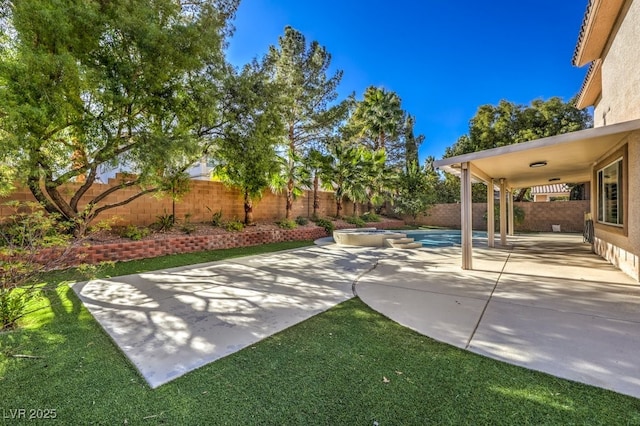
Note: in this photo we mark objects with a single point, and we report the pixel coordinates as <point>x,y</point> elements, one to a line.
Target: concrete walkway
<point>173,321</point>
<point>546,303</point>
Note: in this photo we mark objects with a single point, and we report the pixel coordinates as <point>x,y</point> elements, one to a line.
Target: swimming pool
<point>444,238</point>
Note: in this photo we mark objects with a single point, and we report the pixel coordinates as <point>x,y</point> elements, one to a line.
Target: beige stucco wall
<point>619,249</point>
<point>620,99</point>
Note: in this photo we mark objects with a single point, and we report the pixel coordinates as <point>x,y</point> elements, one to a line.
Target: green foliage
<point>134,232</point>
<point>187,227</point>
<point>328,226</point>
<point>287,224</point>
<point>319,165</point>
<point>23,234</point>
<point>301,220</point>
<point>370,217</point>
<point>246,154</point>
<point>164,222</point>
<point>216,218</point>
<point>355,220</point>
<point>518,216</point>
<point>92,83</point>
<point>415,193</point>
<point>378,117</point>
<point>307,96</point>
<point>508,123</point>
<point>234,225</point>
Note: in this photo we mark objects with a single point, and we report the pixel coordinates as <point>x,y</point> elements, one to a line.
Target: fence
<point>538,217</point>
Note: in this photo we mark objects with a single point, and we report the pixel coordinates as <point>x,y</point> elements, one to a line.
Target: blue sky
<point>443,58</point>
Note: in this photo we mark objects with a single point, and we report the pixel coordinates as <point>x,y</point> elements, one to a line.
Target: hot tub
<point>365,237</point>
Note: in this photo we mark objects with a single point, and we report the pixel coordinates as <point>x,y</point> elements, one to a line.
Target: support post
<point>466,215</point>
<point>511,223</point>
<point>491,219</point>
<point>503,212</point>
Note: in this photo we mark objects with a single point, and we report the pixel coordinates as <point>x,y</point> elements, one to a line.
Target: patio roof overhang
<point>559,159</point>
<point>568,157</point>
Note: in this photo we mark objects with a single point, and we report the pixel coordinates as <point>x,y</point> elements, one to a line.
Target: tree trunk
<point>291,183</point>
<point>289,199</point>
<point>355,208</point>
<point>520,195</point>
<point>338,208</point>
<point>248,209</point>
<point>316,196</point>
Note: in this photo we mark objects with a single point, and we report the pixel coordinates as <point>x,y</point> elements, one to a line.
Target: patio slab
<point>546,303</point>
<point>173,321</point>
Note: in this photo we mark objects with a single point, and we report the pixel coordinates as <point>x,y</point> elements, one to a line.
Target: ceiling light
<point>538,164</point>
<point>554,179</point>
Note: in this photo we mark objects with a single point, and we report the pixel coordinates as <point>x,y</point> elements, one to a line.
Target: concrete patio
<point>545,302</point>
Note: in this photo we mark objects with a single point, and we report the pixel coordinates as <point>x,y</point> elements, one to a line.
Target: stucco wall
<point>620,74</point>
<point>538,217</point>
<point>624,251</point>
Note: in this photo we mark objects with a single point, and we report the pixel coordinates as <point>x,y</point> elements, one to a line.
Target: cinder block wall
<point>214,195</point>
<point>538,217</point>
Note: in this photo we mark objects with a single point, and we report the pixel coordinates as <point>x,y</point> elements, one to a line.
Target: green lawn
<point>347,366</point>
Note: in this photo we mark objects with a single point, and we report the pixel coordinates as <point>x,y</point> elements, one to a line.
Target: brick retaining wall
<point>148,248</point>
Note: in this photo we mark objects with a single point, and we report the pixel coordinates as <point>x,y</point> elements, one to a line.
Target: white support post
<point>491,227</point>
<point>503,212</point>
<point>466,215</point>
<point>511,223</point>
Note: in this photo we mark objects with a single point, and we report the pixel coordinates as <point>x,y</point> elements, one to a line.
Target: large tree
<point>92,83</point>
<point>246,153</point>
<point>307,94</point>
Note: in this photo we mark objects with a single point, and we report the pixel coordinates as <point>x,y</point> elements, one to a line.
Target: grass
<point>348,365</point>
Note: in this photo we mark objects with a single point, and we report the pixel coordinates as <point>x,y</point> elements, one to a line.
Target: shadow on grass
<point>348,365</point>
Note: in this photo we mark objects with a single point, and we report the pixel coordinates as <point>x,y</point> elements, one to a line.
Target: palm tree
<point>377,179</point>
<point>379,115</point>
<point>344,174</point>
<point>317,164</point>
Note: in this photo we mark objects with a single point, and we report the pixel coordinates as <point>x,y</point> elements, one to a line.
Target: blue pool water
<point>444,238</point>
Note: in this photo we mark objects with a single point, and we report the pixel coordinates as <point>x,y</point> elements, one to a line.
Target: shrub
<point>355,220</point>
<point>216,218</point>
<point>301,220</point>
<point>234,225</point>
<point>287,224</point>
<point>188,227</point>
<point>134,233</point>
<point>370,217</point>
<point>164,222</point>
<point>22,235</point>
<point>326,224</point>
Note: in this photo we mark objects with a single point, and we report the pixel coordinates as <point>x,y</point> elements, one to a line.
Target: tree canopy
<point>508,123</point>
<point>91,84</point>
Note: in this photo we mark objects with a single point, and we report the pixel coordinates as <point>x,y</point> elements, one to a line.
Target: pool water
<point>444,238</point>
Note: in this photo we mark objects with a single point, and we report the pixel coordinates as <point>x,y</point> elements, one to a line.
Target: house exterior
<point>545,193</point>
<point>607,156</point>
<point>609,40</point>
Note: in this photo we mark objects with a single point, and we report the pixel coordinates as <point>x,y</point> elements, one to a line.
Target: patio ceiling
<point>568,157</point>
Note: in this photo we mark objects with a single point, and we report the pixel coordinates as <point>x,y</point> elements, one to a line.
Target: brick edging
<point>135,250</point>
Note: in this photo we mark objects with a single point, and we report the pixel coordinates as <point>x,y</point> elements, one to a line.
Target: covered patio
<point>566,158</point>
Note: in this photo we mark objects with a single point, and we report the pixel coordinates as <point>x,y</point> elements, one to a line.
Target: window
<point>610,194</point>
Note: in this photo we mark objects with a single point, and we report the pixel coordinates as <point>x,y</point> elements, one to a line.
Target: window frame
<point>603,191</point>
<point>618,155</point>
